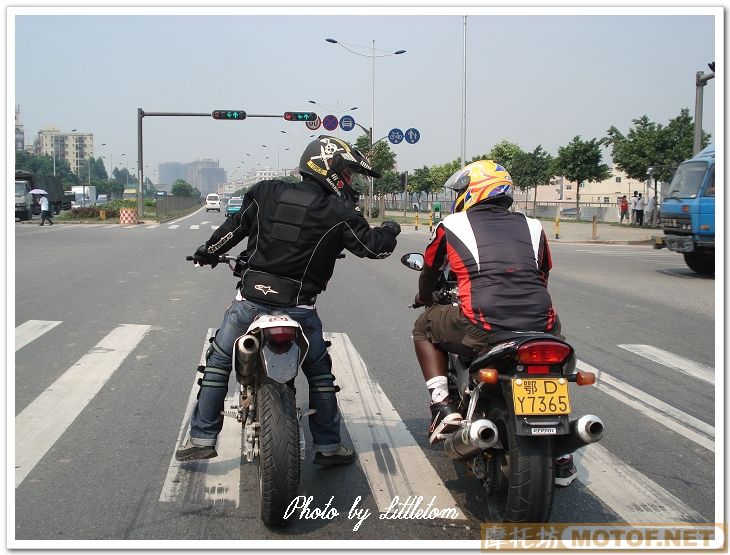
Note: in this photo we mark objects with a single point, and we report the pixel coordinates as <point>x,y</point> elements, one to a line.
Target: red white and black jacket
<point>501,261</point>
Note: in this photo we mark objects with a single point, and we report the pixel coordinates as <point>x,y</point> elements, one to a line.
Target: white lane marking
<point>205,222</point>
<point>221,476</point>
<point>681,364</point>
<point>173,226</point>
<point>394,464</point>
<point>692,428</point>
<point>129,226</point>
<point>31,330</point>
<point>153,226</point>
<point>214,227</point>
<point>188,216</point>
<point>194,226</point>
<point>43,421</point>
<point>630,494</point>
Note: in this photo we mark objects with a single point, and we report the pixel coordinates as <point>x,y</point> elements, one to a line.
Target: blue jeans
<point>207,420</point>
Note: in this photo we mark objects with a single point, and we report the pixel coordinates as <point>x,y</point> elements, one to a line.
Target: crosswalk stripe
<point>221,476</point>
<point>31,330</point>
<point>386,449</point>
<point>194,226</point>
<point>129,226</point>
<point>676,420</point>
<point>630,494</point>
<point>681,364</point>
<point>43,421</point>
<point>153,226</point>
<point>214,227</point>
<point>112,225</point>
<point>174,226</point>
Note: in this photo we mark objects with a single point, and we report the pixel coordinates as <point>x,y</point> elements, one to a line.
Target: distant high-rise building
<point>169,172</point>
<point>19,133</point>
<point>204,175</point>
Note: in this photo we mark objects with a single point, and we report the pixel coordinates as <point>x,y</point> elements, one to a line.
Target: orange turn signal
<point>585,378</point>
<point>488,375</point>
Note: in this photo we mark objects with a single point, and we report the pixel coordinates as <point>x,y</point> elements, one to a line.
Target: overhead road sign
<point>347,123</point>
<point>395,136</point>
<point>412,135</point>
<point>330,122</point>
<point>314,125</point>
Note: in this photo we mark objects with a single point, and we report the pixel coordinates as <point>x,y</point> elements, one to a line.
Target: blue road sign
<point>412,135</point>
<point>395,136</point>
<point>347,123</point>
<point>330,122</point>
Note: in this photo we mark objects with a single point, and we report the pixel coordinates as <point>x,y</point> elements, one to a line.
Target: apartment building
<point>75,147</point>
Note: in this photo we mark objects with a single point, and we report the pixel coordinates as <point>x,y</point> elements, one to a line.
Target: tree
<point>648,144</point>
<point>503,153</point>
<point>530,170</point>
<point>580,161</point>
<point>43,165</point>
<point>182,188</point>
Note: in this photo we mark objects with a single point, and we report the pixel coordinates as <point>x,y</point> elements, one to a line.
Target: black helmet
<point>336,165</point>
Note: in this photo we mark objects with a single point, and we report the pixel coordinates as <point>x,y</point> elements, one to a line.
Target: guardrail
<point>169,205</point>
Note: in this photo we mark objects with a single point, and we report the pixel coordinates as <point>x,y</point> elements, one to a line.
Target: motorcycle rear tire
<point>525,492</point>
<point>279,462</point>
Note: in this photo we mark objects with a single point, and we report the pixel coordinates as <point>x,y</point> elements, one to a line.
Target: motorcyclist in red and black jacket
<point>295,233</point>
<point>501,261</point>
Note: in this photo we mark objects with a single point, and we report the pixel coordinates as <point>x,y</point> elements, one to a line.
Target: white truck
<point>86,193</point>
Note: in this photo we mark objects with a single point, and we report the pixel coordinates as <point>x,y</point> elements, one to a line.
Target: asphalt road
<point>105,474</point>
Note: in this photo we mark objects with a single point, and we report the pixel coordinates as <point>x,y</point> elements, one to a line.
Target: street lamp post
<point>372,56</point>
<point>701,80</point>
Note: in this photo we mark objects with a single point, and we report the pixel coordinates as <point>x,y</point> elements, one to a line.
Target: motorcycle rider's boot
<point>565,471</point>
<point>445,419</point>
<point>343,455</point>
<point>191,452</point>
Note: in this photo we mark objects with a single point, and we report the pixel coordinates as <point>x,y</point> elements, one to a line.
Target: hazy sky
<point>533,78</point>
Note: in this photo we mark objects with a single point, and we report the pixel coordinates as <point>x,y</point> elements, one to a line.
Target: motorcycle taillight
<point>542,352</point>
<point>281,334</point>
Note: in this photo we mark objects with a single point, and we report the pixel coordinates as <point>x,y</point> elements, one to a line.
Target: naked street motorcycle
<point>266,360</point>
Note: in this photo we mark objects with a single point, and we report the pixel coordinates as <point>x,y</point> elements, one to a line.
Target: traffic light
<point>300,116</point>
<point>229,114</point>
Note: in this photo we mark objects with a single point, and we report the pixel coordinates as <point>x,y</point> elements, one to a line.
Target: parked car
<point>233,206</point>
<point>212,202</point>
<point>101,199</point>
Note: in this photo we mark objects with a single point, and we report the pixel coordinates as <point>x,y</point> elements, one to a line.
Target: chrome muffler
<point>470,440</point>
<point>246,353</point>
<point>586,429</point>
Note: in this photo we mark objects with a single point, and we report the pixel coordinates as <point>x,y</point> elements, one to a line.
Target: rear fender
<point>280,365</point>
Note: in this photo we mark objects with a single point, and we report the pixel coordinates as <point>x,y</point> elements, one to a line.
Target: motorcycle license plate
<point>533,396</point>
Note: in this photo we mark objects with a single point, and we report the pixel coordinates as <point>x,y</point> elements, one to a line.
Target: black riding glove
<point>203,257</point>
<point>393,226</point>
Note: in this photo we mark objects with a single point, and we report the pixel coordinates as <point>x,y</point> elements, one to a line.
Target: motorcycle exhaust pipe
<point>468,441</point>
<point>586,429</point>
<point>247,350</point>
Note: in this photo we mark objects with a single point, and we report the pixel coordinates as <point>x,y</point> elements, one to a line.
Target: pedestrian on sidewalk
<point>633,206</point>
<point>640,210</point>
<point>45,211</point>
<point>623,208</point>
<point>650,211</point>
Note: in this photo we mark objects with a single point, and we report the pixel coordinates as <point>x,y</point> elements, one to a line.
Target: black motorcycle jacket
<point>295,233</point>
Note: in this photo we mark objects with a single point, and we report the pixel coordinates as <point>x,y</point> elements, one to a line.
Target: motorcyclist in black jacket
<point>295,233</point>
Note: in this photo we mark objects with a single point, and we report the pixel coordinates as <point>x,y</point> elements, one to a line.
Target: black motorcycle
<point>515,403</point>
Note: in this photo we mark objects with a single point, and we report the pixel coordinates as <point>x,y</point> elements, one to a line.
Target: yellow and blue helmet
<point>480,181</point>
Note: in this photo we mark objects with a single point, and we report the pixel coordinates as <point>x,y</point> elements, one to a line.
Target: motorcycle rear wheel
<point>279,462</point>
<point>520,475</point>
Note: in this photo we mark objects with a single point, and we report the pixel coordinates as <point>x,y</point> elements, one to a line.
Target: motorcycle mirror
<point>413,260</point>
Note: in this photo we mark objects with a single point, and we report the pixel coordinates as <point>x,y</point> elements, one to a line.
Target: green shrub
<point>374,212</point>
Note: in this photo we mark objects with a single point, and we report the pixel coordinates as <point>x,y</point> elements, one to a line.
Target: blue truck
<point>688,212</point>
